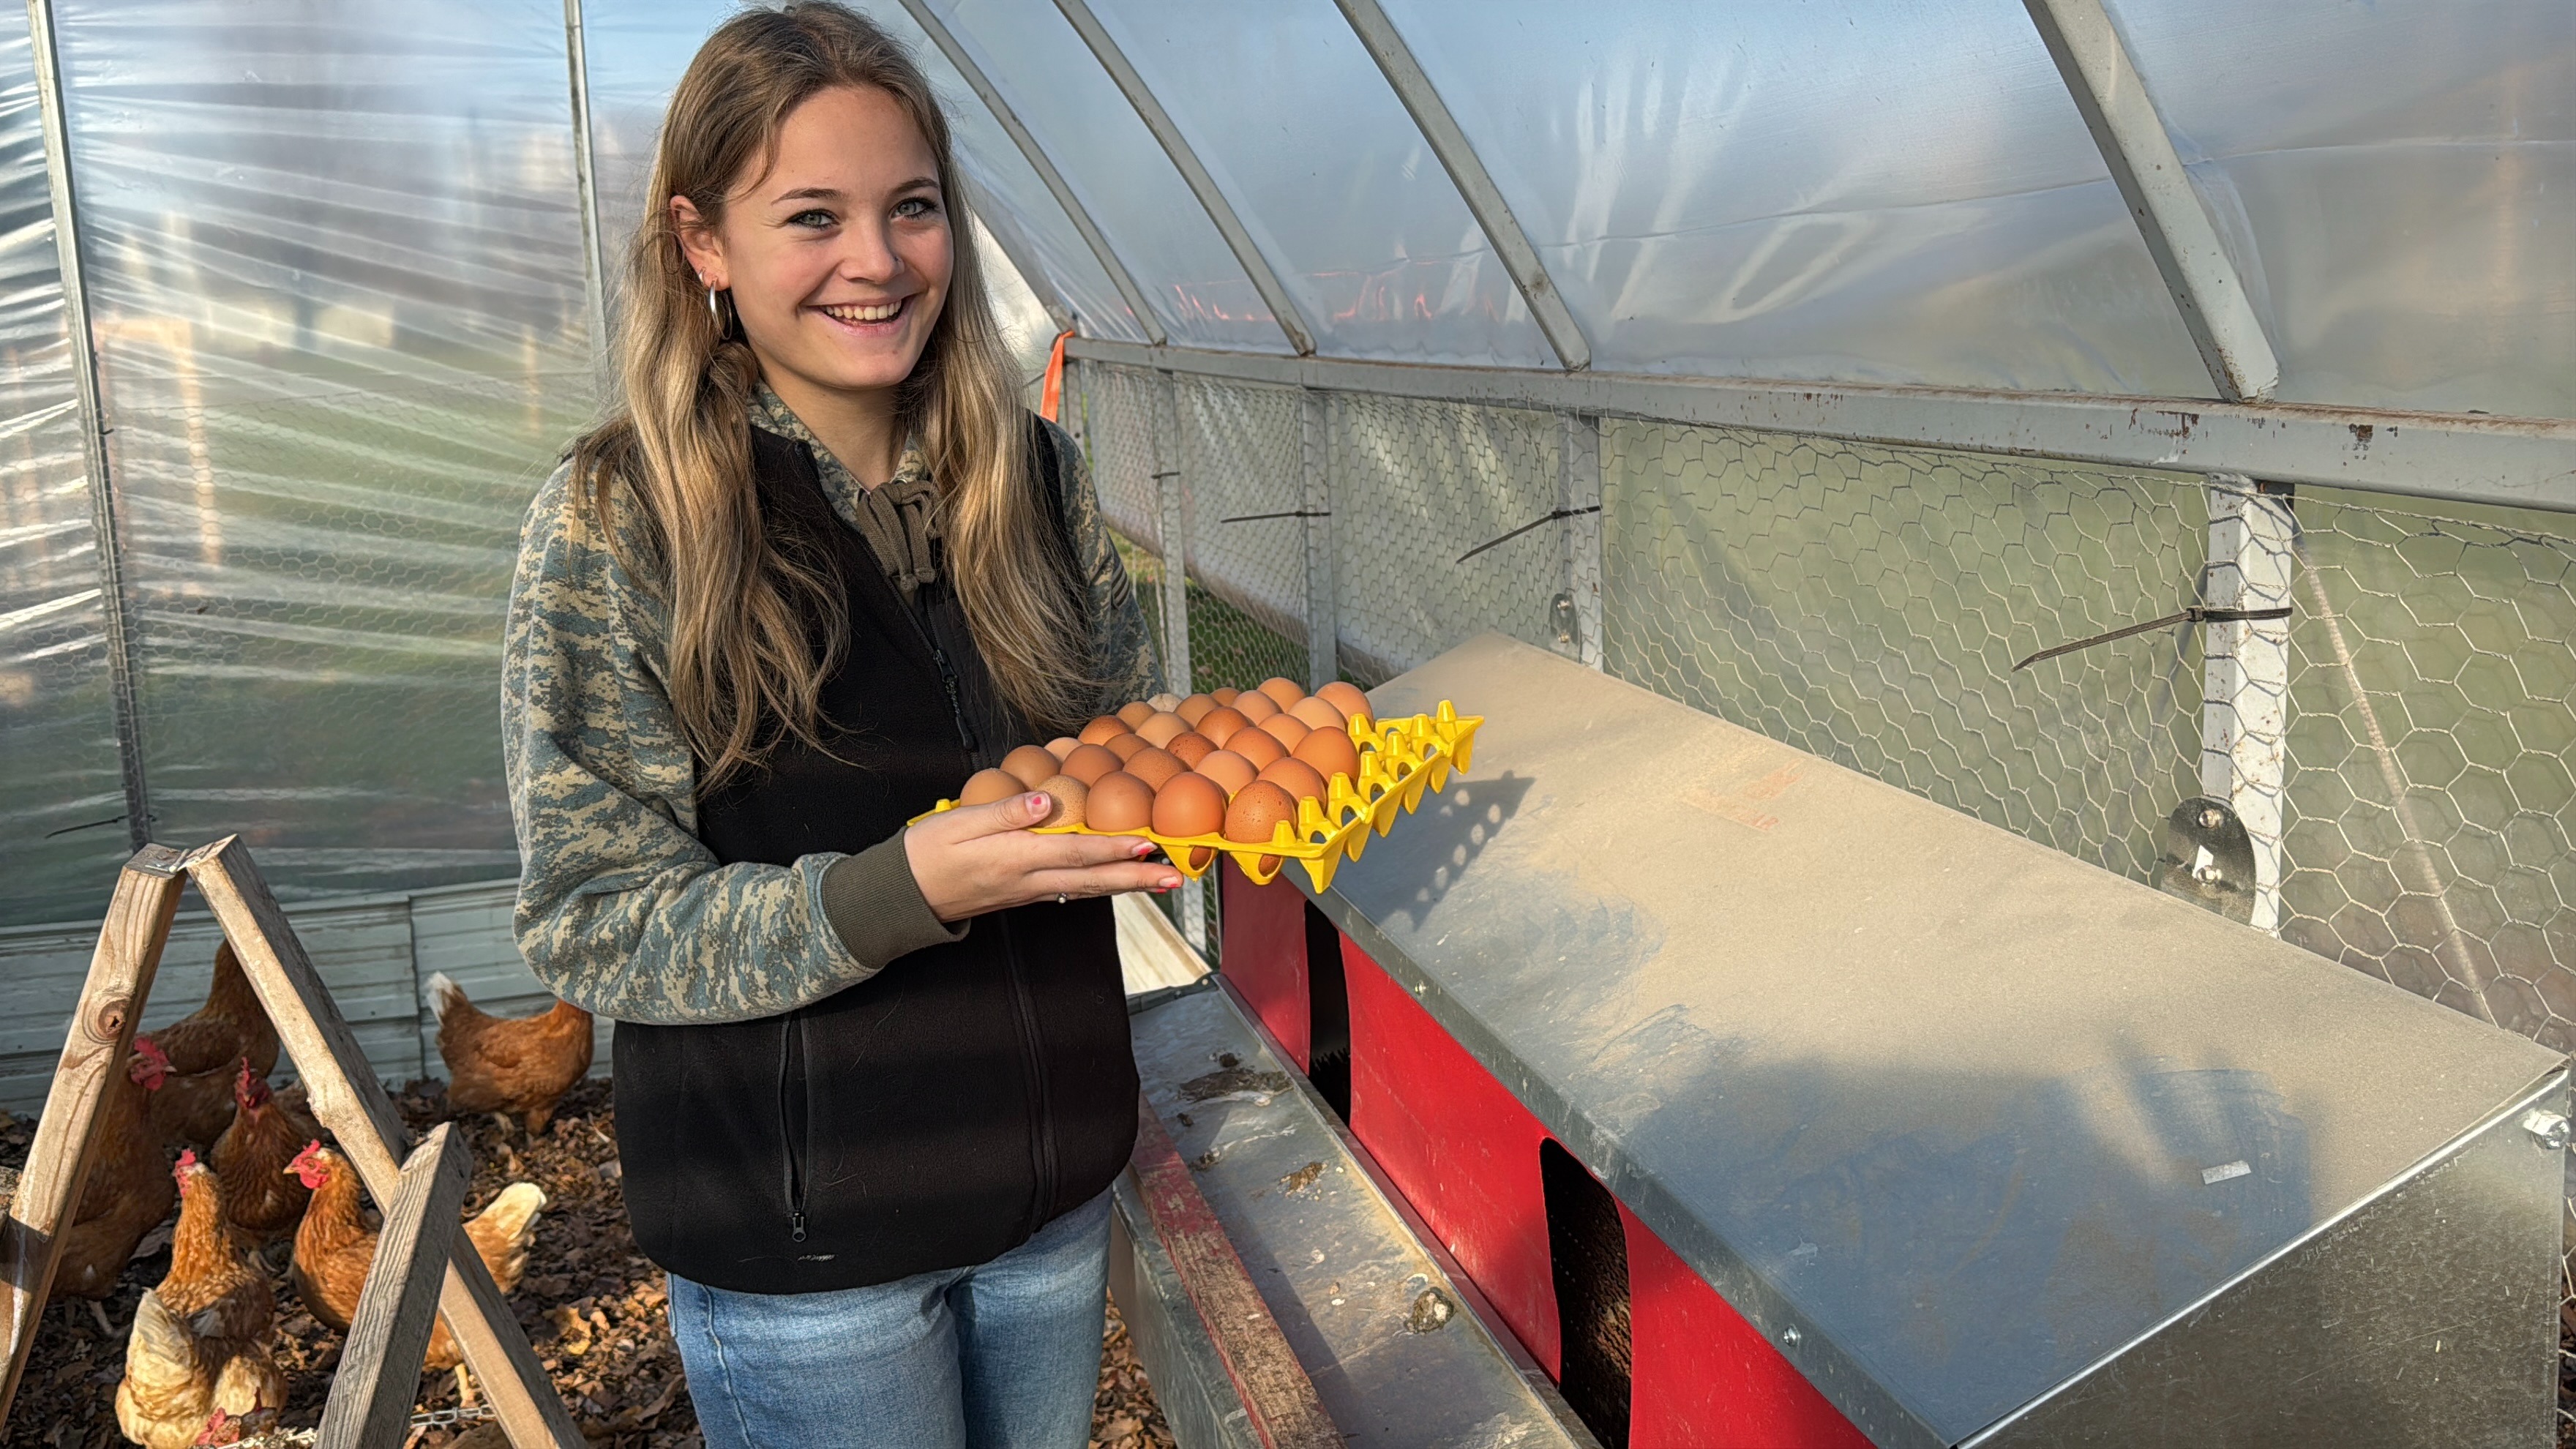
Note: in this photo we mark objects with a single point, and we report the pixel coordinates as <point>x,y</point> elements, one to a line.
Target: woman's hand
<point>979,858</point>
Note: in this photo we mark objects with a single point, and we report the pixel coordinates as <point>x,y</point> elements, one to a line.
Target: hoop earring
<point>724,327</point>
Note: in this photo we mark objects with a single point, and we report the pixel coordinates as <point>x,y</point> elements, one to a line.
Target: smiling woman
<point>819,570</point>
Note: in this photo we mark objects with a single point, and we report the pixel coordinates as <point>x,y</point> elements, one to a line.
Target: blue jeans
<point>1002,1356</point>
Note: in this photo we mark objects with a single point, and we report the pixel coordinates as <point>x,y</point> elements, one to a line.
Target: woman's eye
<point>816,218</point>
<point>916,206</point>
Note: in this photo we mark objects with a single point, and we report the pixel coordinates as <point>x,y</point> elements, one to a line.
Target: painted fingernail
<point>1143,848</point>
<point>1171,883</point>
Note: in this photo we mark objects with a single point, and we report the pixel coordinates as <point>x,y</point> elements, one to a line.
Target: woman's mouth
<point>867,316</point>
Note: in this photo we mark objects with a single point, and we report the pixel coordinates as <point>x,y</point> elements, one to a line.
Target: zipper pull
<point>796,1226</point>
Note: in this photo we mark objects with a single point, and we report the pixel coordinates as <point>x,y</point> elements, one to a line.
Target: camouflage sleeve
<point>1122,652</point>
<point>621,909</point>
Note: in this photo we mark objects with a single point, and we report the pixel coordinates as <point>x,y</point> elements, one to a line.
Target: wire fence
<point>1869,605</point>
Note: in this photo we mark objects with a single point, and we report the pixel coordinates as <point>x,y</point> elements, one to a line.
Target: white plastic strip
<point>1265,280</point>
<point>2177,228</point>
<point>594,261</point>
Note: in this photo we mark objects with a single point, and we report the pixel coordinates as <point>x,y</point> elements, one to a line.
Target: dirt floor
<point>592,1306</point>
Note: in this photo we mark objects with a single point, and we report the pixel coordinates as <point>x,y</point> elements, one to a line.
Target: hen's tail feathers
<point>442,995</point>
<point>502,1230</point>
<point>159,1346</point>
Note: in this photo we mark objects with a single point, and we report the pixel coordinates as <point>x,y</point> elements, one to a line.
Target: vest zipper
<point>1040,1106</point>
<point>791,1039</point>
<point>1033,1060</point>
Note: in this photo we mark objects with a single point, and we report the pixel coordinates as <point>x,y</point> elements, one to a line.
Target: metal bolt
<point>2549,1129</point>
<point>1791,1337</point>
<point>2212,818</point>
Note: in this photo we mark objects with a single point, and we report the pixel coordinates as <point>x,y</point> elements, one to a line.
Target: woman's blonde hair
<point>744,671</point>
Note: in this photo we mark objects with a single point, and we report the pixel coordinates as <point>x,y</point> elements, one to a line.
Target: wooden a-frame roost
<point>372,1392</point>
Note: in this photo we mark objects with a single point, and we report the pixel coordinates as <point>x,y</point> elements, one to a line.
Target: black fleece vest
<point>938,1113</point>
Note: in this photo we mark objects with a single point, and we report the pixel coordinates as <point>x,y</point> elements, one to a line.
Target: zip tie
<point>1557,516</point>
<point>1291,513</point>
<point>2196,614</point>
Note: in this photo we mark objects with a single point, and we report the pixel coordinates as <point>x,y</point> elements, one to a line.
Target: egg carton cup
<point>1400,760</point>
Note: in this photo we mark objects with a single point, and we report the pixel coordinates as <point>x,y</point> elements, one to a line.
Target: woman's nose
<point>867,253</point>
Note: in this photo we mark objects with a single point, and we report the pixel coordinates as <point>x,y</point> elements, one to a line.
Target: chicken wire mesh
<point>1868,604</point>
<point>2433,754</point>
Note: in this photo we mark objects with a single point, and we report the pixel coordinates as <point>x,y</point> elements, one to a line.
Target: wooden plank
<point>371,1394</point>
<point>1151,952</point>
<point>362,949</point>
<point>347,1098</point>
<point>102,1032</point>
<point>1285,1411</point>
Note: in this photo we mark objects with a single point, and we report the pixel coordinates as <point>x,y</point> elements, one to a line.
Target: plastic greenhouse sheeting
<point>336,274</point>
<point>338,294</point>
<point>62,798</point>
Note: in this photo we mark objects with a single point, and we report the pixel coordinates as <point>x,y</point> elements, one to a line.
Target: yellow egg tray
<point>1400,759</point>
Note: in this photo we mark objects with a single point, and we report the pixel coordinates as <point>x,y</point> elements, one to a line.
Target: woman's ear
<point>698,241</point>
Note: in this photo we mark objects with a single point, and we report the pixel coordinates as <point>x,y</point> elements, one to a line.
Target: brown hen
<point>229,1026</point>
<point>521,1065</point>
<point>188,1109</point>
<point>199,1340</point>
<point>262,1200</point>
<point>334,1247</point>
<point>128,1193</point>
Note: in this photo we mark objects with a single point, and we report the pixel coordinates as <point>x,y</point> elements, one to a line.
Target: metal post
<point>2245,692</point>
<point>1323,626</point>
<point>1475,185</point>
<point>982,85</point>
<point>1579,494</point>
<point>2178,231</point>
<point>116,609</point>
<point>594,258</point>
<point>1202,185</point>
<point>1175,499</point>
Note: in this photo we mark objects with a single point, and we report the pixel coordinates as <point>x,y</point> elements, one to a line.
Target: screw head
<point>2211,819</point>
<point>1792,1337</point>
<point>2549,1129</point>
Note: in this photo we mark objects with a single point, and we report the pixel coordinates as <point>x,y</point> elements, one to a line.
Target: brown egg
<point>1257,809</point>
<point>1189,805</point>
<point>1219,725</point>
<point>1254,706</point>
<point>1088,763</point>
<point>1194,709</point>
<point>1165,702</point>
<point>1230,771</point>
<point>1068,794</point>
<point>1031,764</point>
<point>1126,746</point>
<point>1296,777</point>
<point>1283,692</point>
<point>1162,729</point>
<point>1132,715</point>
<point>986,786</point>
<point>1119,802</point>
<point>1062,745</point>
<point>1258,746</point>
<point>1154,767</point>
<point>1287,729</point>
<point>1190,748</point>
<point>1102,730</point>
<point>1331,753</point>
<point>1226,695</point>
<point>1346,697</point>
<point>1316,713</point>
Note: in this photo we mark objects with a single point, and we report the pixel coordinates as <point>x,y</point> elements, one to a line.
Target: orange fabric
<point>1051,400</point>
